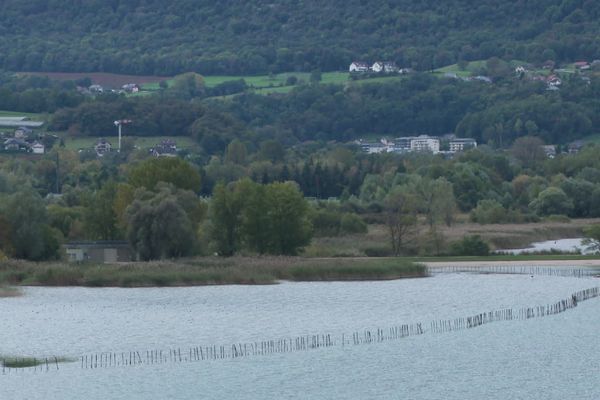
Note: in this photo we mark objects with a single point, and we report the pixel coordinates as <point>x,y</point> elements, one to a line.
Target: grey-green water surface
<point>555,357</point>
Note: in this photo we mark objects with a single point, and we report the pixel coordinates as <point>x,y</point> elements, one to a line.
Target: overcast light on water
<point>554,357</point>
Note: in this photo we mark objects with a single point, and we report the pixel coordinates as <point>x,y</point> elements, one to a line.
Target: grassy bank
<point>9,292</point>
<point>498,236</point>
<point>207,271</point>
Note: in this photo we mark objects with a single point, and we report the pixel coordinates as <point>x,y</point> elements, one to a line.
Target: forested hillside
<point>234,37</point>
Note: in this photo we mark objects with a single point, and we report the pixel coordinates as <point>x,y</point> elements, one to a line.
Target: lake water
<point>572,245</point>
<point>554,357</point>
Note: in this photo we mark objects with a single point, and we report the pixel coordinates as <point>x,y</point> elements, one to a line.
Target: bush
<point>378,252</point>
<point>470,246</point>
<point>557,218</point>
<point>326,223</point>
<point>488,212</point>
<point>351,223</point>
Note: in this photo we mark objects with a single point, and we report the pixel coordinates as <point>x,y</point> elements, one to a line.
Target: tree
<point>172,170</point>
<point>100,219</point>
<point>552,201</point>
<point>236,152</point>
<point>225,217</point>
<point>401,217</point>
<point>187,86</point>
<point>592,237</point>
<point>528,150</point>
<point>255,228</point>
<point>489,211</point>
<point>271,150</point>
<point>30,235</point>
<point>315,76</point>
<point>158,226</point>
<point>287,212</point>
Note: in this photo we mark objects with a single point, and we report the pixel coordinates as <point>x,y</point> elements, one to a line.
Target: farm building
<point>105,251</point>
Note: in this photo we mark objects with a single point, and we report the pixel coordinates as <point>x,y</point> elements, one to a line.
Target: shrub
<point>557,218</point>
<point>351,223</point>
<point>470,246</point>
<point>378,252</point>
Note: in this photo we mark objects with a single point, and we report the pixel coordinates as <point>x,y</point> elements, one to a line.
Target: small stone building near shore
<point>103,251</point>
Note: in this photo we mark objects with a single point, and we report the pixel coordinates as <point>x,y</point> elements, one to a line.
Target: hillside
<point>255,36</point>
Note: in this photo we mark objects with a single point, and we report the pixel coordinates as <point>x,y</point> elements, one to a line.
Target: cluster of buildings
<point>99,89</point>
<point>378,67</point>
<point>165,148</point>
<point>22,140</point>
<point>448,144</point>
<point>552,79</point>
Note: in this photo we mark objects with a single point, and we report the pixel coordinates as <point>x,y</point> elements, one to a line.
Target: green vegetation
<point>251,38</point>
<point>28,362</point>
<point>144,143</point>
<point>207,271</point>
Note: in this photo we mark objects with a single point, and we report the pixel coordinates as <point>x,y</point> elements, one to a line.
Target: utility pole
<point>119,124</point>
<point>57,173</point>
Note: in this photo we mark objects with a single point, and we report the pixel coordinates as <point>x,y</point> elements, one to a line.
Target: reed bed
<point>206,271</point>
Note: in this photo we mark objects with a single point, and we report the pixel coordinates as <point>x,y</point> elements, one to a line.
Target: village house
<point>385,66</point>
<point>548,64</point>
<point>575,146</point>
<point>549,150</point>
<point>38,148</point>
<point>16,144</point>
<point>553,80</point>
<point>102,147</point>
<point>96,89</point>
<point>23,132</point>
<point>166,148</point>
<point>582,65</point>
<point>130,88</point>
<point>359,66</point>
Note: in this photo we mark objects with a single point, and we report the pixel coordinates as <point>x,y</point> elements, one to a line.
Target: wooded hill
<point>255,36</point>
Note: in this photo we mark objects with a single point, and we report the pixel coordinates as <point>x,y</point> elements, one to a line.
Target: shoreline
<point>574,263</point>
<point>213,271</point>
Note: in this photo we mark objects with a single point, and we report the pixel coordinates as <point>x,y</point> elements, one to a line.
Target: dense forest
<point>233,37</point>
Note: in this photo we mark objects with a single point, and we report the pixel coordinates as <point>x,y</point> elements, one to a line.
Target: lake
<point>571,245</point>
<point>554,357</point>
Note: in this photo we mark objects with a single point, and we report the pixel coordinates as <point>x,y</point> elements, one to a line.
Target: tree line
<point>253,37</point>
<point>156,203</point>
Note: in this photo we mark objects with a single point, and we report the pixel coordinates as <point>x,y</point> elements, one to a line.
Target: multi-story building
<point>457,145</point>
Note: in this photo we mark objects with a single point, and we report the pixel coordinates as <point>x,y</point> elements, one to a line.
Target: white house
<point>457,145</point>
<point>385,66</point>
<point>359,66</point>
<point>130,88</point>
<point>378,66</point>
<point>38,148</point>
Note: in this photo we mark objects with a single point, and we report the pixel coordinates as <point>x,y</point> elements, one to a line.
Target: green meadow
<point>142,142</point>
